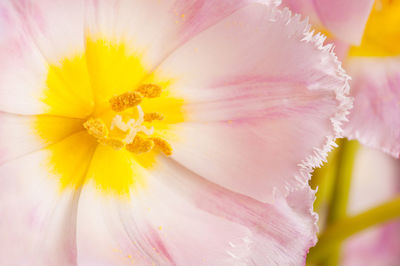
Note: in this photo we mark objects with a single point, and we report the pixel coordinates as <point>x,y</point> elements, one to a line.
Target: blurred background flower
<point>375,180</point>
<point>359,187</point>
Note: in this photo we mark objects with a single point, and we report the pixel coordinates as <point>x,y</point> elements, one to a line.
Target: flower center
<point>119,103</point>
<point>127,127</point>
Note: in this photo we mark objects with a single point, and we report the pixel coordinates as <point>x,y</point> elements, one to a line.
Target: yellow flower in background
<point>382,32</point>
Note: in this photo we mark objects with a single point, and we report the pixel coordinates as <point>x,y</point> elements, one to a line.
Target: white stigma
<point>132,126</point>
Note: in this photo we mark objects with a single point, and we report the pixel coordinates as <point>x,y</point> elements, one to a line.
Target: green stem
<point>346,227</point>
<point>340,197</point>
<point>324,179</point>
<point>338,206</point>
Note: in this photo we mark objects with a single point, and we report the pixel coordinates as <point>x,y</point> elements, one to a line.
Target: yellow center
<point>107,117</point>
<point>127,129</point>
<point>382,33</point>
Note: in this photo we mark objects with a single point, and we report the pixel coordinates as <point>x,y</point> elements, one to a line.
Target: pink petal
<point>182,219</point>
<point>37,225</point>
<point>305,8</point>
<point>40,32</point>
<point>375,180</point>
<point>36,33</point>
<point>375,119</point>
<point>376,246</point>
<point>265,99</point>
<point>280,231</point>
<point>344,19</point>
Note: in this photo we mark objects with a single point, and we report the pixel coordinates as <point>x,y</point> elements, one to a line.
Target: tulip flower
<point>370,52</point>
<point>375,180</point>
<point>375,68</point>
<point>372,61</point>
<point>162,132</point>
<point>341,19</point>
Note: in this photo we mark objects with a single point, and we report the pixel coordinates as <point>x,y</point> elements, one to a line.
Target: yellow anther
<point>126,100</point>
<point>116,144</point>
<point>163,145</point>
<point>149,90</point>
<point>140,145</point>
<point>137,138</point>
<point>96,128</point>
<point>153,116</point>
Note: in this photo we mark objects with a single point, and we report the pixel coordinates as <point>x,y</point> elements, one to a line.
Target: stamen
<point>136,137</point>
<point>149,90</point>
<point>116,144</point>
<point>140,145</point>
<point>96,128</point>
<point>126,100</point>
<point>163,145</point>
<point>149,117</point>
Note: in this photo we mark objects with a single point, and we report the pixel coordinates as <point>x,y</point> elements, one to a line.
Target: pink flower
<point>375,69</point>
<point>161,132</point>
<point>345,20</point>
<point>374,120</point>
<point>373,64</point>
<point>375,180</point>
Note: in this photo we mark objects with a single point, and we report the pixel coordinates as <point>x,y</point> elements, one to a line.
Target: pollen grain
<point>96,128</point>
<point>126,100</point>
<point>149,90</point>
<point>149,117</point>
<point>114,143</point>
<point>140,145</point>
<point>163,145</point>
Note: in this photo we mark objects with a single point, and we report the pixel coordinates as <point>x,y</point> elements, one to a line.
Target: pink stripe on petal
<point>55,27</point>
<point>38,33</point>
<point>264,100</point>
<point>182,219</point>
<point>21,67</point>
<point>273,228</point>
